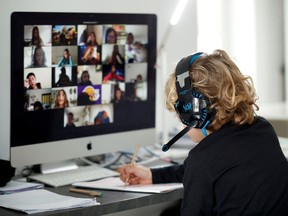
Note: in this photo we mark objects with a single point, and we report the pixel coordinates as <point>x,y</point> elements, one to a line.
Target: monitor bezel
<point>77,145</point>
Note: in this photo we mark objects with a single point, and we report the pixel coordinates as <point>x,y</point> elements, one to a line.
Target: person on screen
<point>140,52</point>
<point>26,99</point>
<point>91,41</point>
<point>61,100</point>
<point>31,82</point>
<point>137,85</point>
<point>111,36</point>
<point>85,79</point>
<point>89,57</point>
<point>64,79</point>
<point>36,39</point>
<point>130,39</point>
<point>112,75</point>
<point>39,58</point>
<point>63,36</point>
<point>119,96</point>
<point>83,37</point>
<point>101,118</point>
<point>66,59</point>
<point>37,106</point>
<point>70,120</point>
<point>84,99</point>
<point>237,167</point>
<point>72,36</point>
<point>130,52</point>
<point>116,58</point>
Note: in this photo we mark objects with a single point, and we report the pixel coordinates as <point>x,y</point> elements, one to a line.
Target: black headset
<point>192,107</point>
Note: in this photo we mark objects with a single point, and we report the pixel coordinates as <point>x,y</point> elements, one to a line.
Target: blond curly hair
<point>216,76</point>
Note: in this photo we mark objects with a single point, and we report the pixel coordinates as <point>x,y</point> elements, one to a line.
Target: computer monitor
<point>82,84</point>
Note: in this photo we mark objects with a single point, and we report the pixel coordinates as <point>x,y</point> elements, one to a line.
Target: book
<point>41,200</point>
<point>115,183</point>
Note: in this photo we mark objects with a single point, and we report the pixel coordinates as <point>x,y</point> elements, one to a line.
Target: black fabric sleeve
<point>198,198</point>
<point>168,174</point>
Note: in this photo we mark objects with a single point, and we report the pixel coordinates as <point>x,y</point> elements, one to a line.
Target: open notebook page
<point>114,183</point>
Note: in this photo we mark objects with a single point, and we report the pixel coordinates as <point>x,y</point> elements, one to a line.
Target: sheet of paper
<point>35,201</point>
<point>114,183</point>
<point>19,186</point>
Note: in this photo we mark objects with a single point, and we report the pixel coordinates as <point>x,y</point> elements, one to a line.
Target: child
<point>237,167</point>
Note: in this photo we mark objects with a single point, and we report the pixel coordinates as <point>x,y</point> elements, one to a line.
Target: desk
<point>114,203</point>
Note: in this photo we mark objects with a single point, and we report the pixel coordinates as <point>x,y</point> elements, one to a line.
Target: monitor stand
<point>58,166</point>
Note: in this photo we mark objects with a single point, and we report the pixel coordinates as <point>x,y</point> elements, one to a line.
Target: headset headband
<point>182,72</point>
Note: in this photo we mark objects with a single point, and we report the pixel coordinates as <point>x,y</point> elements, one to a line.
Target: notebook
<point>114,183</point>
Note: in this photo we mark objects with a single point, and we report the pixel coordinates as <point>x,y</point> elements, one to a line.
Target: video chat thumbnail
<point>84,69</point>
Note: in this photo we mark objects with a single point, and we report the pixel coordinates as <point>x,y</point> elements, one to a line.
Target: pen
<point>87,192</point>
<point>135,155</point>
<point>133,160</point>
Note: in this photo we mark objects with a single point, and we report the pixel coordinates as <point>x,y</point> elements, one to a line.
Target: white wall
<point>182,40</point>
<point>255,34</point>
<point>286,47</point>
<point>251,31</point>
<point>270,50</point>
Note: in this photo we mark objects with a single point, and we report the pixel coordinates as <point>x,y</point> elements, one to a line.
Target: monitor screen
<point>82,84</point>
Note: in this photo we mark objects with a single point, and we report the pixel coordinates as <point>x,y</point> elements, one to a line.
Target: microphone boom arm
<point>167,146</point>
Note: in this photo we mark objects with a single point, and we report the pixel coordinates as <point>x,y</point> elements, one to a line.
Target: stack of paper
<point>35,201</point>
<point>19,186</point>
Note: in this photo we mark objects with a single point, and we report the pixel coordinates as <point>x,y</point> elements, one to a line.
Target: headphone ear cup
<point>205,113</point>
<point>184,107</point>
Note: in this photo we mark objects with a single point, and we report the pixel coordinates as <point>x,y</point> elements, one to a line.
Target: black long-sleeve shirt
<point>237,170</point>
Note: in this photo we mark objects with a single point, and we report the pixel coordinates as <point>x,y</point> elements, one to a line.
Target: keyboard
<point>83,173</point>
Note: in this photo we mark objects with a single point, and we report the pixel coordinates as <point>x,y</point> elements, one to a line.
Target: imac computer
<point>82,84</point>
